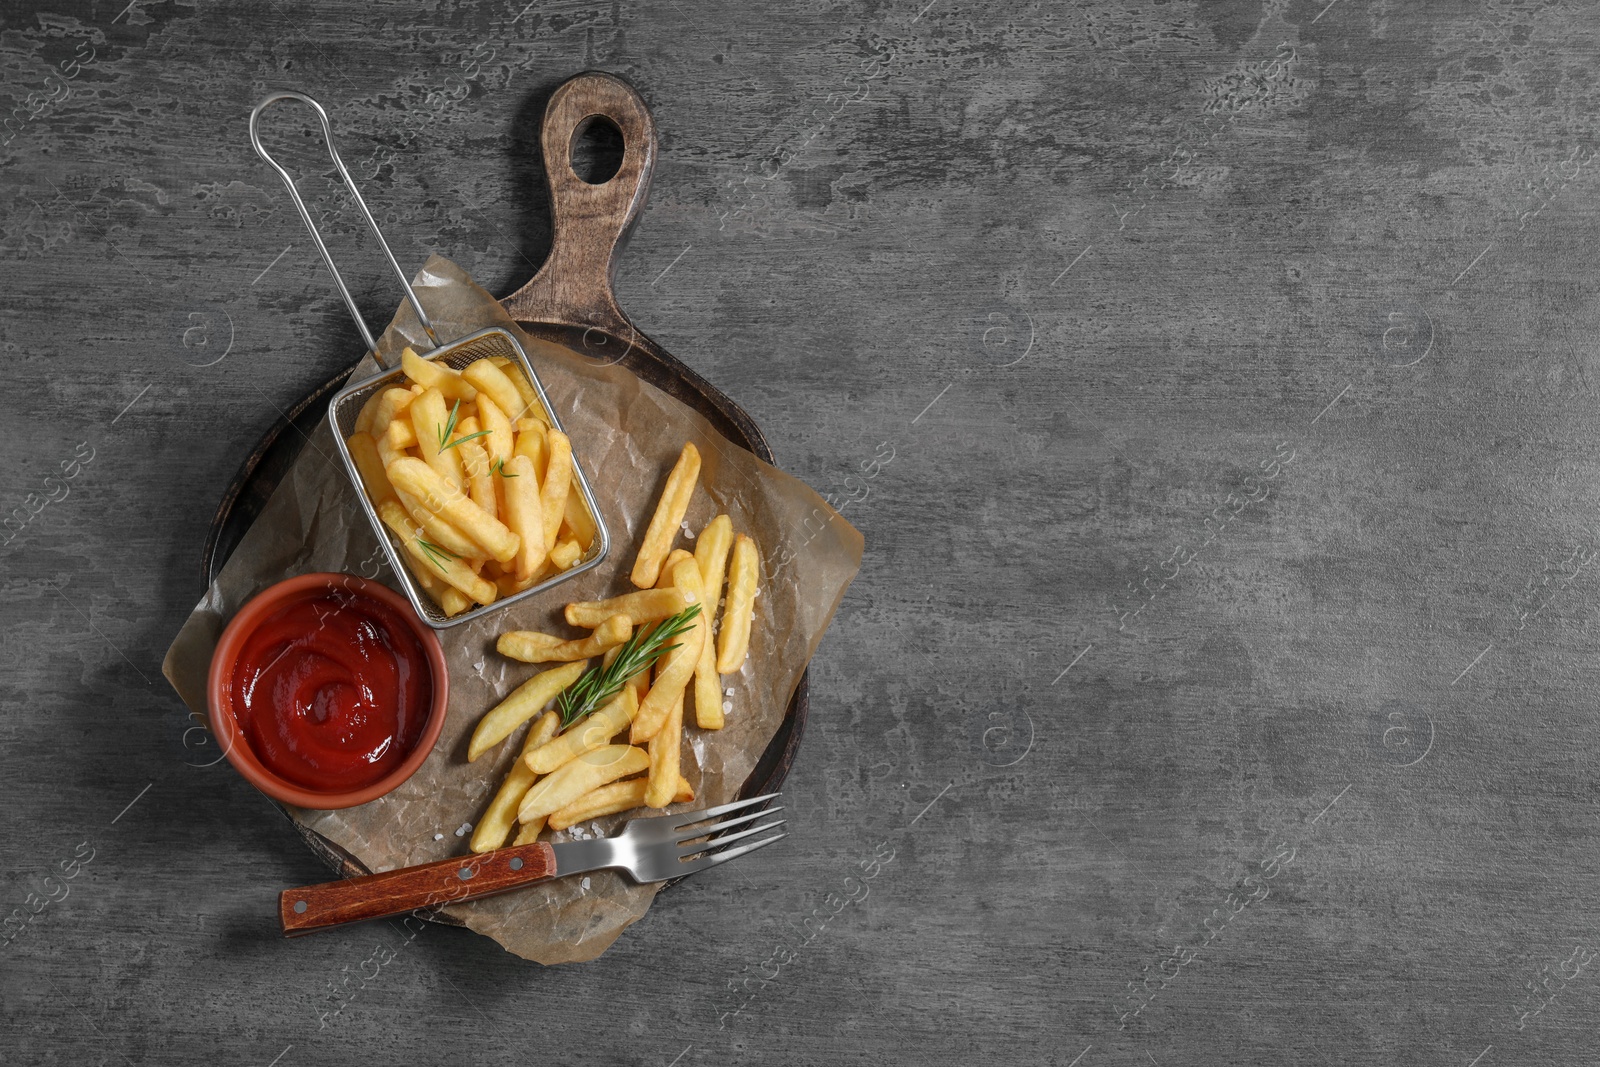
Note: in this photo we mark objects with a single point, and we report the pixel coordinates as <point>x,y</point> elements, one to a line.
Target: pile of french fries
<point>564,778</point>
<point>472,479</point>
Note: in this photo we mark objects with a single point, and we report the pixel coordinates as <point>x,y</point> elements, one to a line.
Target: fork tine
<point>685,851</point>
<point>704,862</point>
<point>703,831</point>
<point>711,813</point>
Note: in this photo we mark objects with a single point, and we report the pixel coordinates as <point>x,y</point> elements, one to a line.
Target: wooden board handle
<point>588,222</point>
<point>428,886</point>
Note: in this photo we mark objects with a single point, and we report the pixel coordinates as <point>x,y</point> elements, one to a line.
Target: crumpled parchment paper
<point>626,434</point>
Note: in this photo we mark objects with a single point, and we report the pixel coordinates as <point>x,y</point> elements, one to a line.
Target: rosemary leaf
<point>595,688</point>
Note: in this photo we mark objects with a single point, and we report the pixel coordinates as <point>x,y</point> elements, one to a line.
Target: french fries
<point>646,605</point>
<point>593,732</point>
<point>492,380</point>
<point>423,482</point>
<point>495,826</point>
<point>711,552</point>
<point>530,646</point>
<point>432,423</point>
<point>610,799</point>
<point>555,483</point>
<point>670,509</point>
<point>430,559</point>
<point>579,776</point>
<point>675,557</point>
<point>708,714</point>
<point>364,451</point>
<point>453,438</point>
<point>664,749</point>
<point>523,704</point>
<point>523,516</point>
<point>734,641</point>
<point>432,375</point>
<point>679,663</point>
<point>565,554</point>
<point>640,688</point>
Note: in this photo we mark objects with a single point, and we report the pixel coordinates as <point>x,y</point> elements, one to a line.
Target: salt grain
<point>584,884</point>
<point>461,831</point>
<point>727,705</point>
<point>438,837</point>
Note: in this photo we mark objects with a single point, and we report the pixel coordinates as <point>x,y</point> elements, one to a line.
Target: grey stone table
<point>1214,383</point>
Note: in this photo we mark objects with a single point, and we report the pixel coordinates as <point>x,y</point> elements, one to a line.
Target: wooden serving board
<point>570,300</point>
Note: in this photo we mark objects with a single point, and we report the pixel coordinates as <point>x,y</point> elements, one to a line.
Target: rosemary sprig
<point>435,554</point>
<point>450,427</point>
<point>499,467</point>
<point>598,685</point>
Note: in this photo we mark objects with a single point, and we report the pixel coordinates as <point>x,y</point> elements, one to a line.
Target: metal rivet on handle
<point>464,873</point>
<point>299,907</point>
<point>516,863</point>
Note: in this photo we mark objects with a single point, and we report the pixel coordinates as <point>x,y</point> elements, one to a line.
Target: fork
<point>651,849</point>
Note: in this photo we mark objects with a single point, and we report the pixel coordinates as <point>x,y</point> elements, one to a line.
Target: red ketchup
<point>332,690</point>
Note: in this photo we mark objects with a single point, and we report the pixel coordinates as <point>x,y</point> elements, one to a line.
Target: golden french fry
<point>368,410</point>
<point>646,605</point>
<point>451,600</point>
<point>734,640</point>
<point>577,517</point>
<point>524,702</point>
<point>401,434</point>
<point>530,443</point>
<point>565,554</point>
<point>495,826</point>
<point>711,552</point>
<point>431,375</point>
<point>523,517</point>
<point>389,447</point>
<point>525,389</point>
<point>708,713</point>
<point>528,832</point>
<point>611,799</point>
<point>449,568</point>
<point>670,509</point>
<point>437,529</point>
<point>530,646</point>
<point>480,481</point>
<point>664,750</point>
<point>553,486</point>
<point>423,482</point>
<point>392,402</point>
<point>364,454</point>
<point>593,732</point>
<point>675,557</point>
<point>607,800</point>
<point>501,442</point>
<point>430,416</point>
<point>679,664</point>
<point>575,778</point>
<point>500,389</point>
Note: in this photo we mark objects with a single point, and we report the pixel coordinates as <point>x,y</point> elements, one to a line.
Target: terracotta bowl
<point>225,727</point>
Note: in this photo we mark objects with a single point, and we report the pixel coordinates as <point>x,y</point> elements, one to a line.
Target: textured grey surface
<point>1300,774</point>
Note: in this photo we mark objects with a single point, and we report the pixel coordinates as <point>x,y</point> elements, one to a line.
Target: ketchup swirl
<point>332,690</point>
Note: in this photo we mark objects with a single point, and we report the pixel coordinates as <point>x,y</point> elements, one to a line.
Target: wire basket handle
<point>305,215</point>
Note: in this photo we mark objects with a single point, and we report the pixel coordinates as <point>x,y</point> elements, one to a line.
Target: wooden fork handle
<point>426,887</point>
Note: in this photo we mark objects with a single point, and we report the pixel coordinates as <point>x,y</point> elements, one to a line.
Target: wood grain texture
<point>425,887</point>
<point>1136,740</point>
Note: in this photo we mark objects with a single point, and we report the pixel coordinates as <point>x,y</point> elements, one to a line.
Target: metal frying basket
<point>347,404</point>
